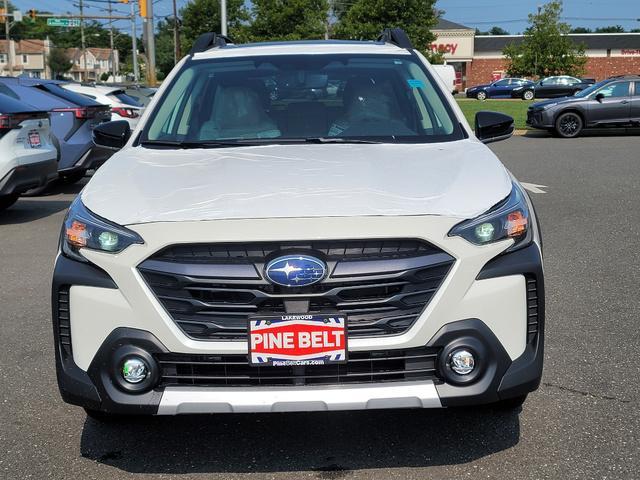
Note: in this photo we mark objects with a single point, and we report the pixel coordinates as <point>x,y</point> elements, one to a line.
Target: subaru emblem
<point>295,270</point>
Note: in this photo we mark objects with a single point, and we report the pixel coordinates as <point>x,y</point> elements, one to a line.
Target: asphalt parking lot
<point>582,423</point>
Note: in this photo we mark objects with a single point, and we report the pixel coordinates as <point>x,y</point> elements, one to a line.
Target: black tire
<point>73,177</point>
<point>569,125</point>
<point>528,95</point>
<point>509,403</point>
<point>482,95</point>
<point>7,200</point>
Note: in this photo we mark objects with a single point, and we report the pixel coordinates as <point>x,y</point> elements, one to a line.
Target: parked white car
<point>266,242</point>
<point>28,158</point>
<point>123,106</point>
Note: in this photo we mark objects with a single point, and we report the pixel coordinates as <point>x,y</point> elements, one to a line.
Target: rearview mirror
<point>493,126</point>
<point>600,97</point>
<point>112,135</point>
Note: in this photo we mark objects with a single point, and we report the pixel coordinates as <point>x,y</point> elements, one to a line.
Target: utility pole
<point>151,46</point>
<point>176,35</point>
<point>134,44</point>
<point>82,42</point>
<point>112,55</point>
<point>6,35</point>
<point>223,17</point>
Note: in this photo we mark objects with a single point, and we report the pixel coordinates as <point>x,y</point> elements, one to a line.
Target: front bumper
<point>539,119</point>
<point>86,373</point>
<point>28,176</point>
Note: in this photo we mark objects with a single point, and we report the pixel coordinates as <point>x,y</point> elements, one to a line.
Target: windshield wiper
<point>337,140</point>
<point>191,144</point>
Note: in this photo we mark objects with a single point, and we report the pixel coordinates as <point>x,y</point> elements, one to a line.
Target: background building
<point>478,59</point>
<point>29,58</point>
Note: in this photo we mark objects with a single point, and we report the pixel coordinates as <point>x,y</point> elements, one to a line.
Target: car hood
<point>477,87</point>
<point>138,185</point>
<point>554,101</point>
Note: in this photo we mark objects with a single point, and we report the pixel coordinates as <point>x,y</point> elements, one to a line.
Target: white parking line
<point>533,187</point>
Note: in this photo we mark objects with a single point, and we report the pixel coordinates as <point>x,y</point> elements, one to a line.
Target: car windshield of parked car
<point>589,90</point>
<point>302,97</point>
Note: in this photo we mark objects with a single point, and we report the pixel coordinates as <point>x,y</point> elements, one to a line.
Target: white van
<point>448,75</point>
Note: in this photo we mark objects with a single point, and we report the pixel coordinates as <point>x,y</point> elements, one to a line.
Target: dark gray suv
<point>614,102</point>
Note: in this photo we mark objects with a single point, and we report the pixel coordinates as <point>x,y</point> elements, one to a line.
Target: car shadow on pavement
<point>329,443</point>
<point>27,210</point>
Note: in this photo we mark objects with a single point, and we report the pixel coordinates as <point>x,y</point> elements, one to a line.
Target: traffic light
<point>32,14</point>
<point>2,15</point>
<point>123,1</point>
<point>142,6</point>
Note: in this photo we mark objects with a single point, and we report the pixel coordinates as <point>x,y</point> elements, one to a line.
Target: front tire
<point>481,95</point>
<point>7,200</point>
<point>569,125</point>
<point>528,95</point>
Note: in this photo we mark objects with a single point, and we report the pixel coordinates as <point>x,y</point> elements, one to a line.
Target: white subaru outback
<point>299,226</point>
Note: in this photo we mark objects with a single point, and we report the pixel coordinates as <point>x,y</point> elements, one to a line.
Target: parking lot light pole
<point>223,17</point>
<point>6,35</point>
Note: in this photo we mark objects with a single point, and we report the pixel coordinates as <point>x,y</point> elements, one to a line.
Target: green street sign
<point>63,22</point>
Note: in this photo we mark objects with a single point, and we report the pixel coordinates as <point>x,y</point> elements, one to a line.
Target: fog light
<point>462,362</point>
<point>134,370</point>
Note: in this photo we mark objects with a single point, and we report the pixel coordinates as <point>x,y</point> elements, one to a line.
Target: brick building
<point>478,58</point>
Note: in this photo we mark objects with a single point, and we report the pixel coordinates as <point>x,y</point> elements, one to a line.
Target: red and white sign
<point>303,339</point>
<point>444,48</point>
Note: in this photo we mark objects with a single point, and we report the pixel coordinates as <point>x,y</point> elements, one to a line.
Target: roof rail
<point>397,36</point>
<point>209,40</point>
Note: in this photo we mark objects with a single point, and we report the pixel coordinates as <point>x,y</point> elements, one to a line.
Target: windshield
<point>589,90</point>
<point>275,99</point>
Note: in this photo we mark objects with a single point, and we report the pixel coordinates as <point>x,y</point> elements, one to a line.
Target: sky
<point>483,14</point>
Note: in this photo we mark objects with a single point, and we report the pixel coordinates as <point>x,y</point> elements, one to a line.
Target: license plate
<point>291,340</point>
<point>34,139</point>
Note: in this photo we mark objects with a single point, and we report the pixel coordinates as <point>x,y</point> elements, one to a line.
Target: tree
<point>611,29</point>
<point>58,62</point>
<point>545,49</point>
<point>365,20</point>
<point>202,16</point>
<point>289,19</point>
<point>493,31</point>
<point>580,30</point>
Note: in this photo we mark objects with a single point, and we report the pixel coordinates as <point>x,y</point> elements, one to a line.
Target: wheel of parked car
<point>7,200</point>
<point>569,125</point>
<point>481,95</point>
<point>74,177</point>
<point>528,95</point>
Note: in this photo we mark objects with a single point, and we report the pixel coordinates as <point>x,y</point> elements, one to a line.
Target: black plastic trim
<point>32,175</point>
<point>74,384</point>
<point>492,362</point>
<point>102,372</point>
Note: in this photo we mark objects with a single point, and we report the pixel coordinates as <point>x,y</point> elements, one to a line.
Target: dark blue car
<point>499,88</point>
<point>73,117</point>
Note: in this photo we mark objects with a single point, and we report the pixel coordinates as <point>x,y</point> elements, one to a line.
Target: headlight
<point>508,219</point>
<point>83,229</point>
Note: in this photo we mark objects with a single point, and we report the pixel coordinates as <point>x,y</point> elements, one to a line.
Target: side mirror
<point>493,126</point>
<point>600,97</point>
<point>112,135</point>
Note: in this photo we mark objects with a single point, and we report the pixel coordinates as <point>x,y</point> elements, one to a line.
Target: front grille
<point>532,309</point>
<point>211,290</point>
<point>362,367</point>
<point>64,324</point>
